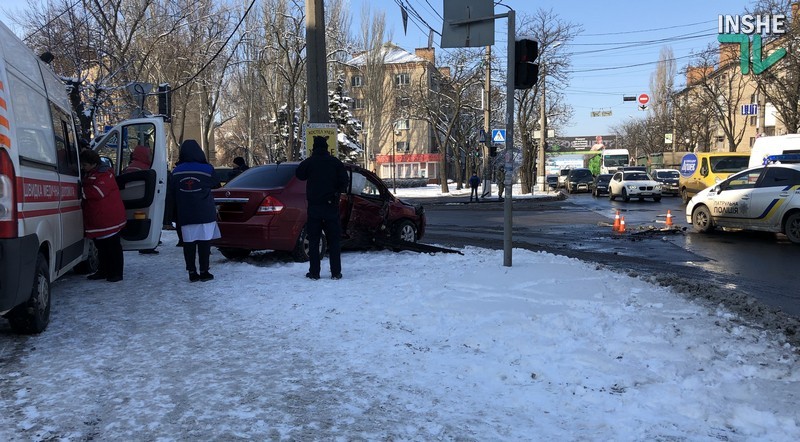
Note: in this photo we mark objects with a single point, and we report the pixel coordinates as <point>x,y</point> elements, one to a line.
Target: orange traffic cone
<point>622,225</point>
<point>669,218</point>
<point>616,223</point>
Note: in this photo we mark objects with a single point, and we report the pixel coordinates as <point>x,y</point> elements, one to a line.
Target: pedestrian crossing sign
<point>498,135</point>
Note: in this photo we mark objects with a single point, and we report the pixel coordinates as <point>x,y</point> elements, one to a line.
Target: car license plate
<point>646,193</point>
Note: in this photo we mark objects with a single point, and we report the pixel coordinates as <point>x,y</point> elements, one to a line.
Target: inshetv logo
<point>737,28</point>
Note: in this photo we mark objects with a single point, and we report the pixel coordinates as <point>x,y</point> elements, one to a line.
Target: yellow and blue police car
<point>764,198</point>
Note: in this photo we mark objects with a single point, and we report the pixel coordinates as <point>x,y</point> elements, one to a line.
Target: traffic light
<point>165,101</point>
<point>526,72</point>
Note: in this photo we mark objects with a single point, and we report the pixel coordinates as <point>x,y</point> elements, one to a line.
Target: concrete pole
<point>316,72</point>
<point>509,158</point>
<point>487,129</point>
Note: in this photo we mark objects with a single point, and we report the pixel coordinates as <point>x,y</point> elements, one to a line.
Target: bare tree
<point>376,90</point>
<point>662,85</point>
<point>780,84</point>
<point>453,92</point>
<point>723,87</point>
<point>553,34</point>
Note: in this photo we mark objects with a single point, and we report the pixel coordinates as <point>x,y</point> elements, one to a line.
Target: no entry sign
<point>643,98</point>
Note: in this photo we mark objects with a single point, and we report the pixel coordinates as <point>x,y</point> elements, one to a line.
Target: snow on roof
<point>392,54</point>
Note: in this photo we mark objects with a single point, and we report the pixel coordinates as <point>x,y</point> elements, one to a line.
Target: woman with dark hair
<point>192,179</point>
<point>103,215</point>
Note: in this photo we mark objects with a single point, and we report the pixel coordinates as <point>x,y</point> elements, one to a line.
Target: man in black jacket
<point>325,178</point>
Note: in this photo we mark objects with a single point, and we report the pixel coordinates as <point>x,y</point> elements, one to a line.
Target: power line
<point>208,63</point>
<point>648,30</point>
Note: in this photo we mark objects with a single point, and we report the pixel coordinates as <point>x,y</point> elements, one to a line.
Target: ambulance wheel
<point>33,316</point>
<point>701,219</point>
<point>792,227</point>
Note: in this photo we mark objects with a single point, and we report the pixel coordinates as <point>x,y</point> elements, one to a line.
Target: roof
<point>392,54</point>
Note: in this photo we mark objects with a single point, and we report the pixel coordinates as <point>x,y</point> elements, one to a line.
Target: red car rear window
<point>264,177</point>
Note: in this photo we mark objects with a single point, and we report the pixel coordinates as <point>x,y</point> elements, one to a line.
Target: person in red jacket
<point>103,215</point>
<point>141,158</point>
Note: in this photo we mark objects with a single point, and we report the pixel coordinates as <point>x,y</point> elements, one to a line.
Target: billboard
<point>580,144</point>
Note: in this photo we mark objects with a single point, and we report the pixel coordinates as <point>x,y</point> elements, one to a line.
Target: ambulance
<point>41,223</point>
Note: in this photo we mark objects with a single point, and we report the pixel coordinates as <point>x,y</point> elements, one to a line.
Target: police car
<point>765,198</point>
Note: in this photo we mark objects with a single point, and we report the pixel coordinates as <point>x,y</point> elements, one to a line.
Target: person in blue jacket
<point>196,215</point>
<point>474,182</point>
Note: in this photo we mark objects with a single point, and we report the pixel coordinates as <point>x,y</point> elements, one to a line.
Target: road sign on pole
<point>643,99</point>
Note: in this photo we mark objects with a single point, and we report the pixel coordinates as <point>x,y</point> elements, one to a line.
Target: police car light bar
<point>788,158</point>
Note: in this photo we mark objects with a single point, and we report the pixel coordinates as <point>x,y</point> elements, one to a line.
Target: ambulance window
<point>109,148</point>
<point>66,151</point>
<point>780,177</point>
<point>33,122</point>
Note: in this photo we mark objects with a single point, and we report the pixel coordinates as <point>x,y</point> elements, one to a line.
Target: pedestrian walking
<point>193,178</point>
<point>103,216</point>
<point>500,177</point>
<point>325,178</point>
<point>474,182</point>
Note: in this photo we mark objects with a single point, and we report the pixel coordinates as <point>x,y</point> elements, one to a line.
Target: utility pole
<point>541,177</point>
<point>487,129</point>
<point>316,72</point>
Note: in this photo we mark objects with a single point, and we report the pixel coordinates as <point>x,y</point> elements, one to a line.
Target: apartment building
<point>396,144</point>
<point>748,113</point>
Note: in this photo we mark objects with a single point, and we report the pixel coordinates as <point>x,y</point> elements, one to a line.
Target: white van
<point>41,223</point>
<point>778,145</point>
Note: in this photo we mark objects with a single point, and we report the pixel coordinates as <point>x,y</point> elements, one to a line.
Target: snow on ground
<point>406,347</point>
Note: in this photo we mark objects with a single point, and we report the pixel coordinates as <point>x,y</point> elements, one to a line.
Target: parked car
<point>562,178</point>
<point>264,208</point>
<point>765,198</point>
<point>580,179</point>
<point>552,181</point>
<point>669,179</point>
<point>601,184</point>
<point>629,184</point>
<point>704,169</point>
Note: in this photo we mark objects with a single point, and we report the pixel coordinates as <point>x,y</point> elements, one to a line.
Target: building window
<point>752,141</point>
<point>402,125</point>
<point>358,103</point>
<point>402,102</point>
<point>753,120</point>
<point>402,79</point>
<point>356,81</point>
<point>402,146</point>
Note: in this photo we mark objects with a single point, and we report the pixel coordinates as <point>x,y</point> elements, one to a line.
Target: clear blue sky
<point>598,82</point>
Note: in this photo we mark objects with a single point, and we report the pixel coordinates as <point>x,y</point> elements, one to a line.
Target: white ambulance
<point>41,223</point>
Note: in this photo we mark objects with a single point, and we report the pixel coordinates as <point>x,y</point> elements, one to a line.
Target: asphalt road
<point>753,274</point>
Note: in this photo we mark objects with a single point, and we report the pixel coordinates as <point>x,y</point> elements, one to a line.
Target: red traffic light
<point>526,73</point>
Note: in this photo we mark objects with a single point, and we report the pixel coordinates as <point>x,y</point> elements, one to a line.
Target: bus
<point>612,159</point>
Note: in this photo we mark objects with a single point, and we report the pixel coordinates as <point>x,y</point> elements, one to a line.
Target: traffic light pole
<point>509,154</point>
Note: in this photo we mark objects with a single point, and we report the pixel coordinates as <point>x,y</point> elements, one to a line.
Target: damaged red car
<point>264,208</point>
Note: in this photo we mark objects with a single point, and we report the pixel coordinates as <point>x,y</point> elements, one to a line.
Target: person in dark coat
<point>325,178</point>
<point>103,215</point>
<point>239,166</point>
<point>474,182</point>
<point>192,181</point>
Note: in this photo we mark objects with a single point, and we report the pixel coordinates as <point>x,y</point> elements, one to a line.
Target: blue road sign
<point>498,135</point>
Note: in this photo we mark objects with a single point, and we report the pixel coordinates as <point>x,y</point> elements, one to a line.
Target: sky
<point>614,35</point>
<point>406,347</point>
